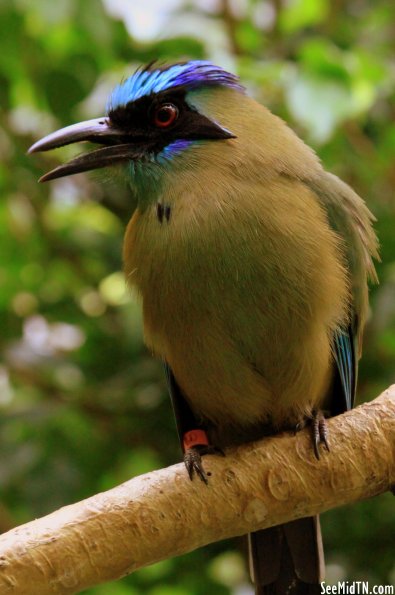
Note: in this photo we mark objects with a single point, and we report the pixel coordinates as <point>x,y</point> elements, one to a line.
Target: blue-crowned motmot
<point>252,263</point>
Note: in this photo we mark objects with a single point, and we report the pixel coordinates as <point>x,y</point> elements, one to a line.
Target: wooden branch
<point>163,514</point>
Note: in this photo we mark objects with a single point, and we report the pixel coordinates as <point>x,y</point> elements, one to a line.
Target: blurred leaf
<point>320,105</point>
<point>298,14</point>
<point>249,38</point>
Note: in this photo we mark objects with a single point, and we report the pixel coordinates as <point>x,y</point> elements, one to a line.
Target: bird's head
<point>151,118</point>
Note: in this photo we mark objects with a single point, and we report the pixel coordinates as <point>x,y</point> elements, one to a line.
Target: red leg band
<point>195,438</point>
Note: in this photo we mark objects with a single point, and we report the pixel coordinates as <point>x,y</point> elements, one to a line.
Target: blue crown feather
<point>189,74</point>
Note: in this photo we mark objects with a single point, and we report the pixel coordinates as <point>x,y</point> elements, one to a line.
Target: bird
<point>252,263</point>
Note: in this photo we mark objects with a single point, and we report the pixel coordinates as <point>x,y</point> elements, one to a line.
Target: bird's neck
<point>146,180</point>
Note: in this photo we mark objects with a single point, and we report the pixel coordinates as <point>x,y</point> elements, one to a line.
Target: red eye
<point>165,115</point>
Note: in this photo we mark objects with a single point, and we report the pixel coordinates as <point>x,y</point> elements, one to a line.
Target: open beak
<point>120,146</point>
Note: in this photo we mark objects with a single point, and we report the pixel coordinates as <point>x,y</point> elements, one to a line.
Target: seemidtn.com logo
<point>356,588</point>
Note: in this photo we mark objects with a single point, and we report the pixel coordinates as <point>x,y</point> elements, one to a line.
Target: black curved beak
<point>120,146</point>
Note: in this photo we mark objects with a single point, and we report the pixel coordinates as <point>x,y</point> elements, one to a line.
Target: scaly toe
<point>320,432</point>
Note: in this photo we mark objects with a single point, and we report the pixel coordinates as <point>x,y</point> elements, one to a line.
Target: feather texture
<point>151,80</point>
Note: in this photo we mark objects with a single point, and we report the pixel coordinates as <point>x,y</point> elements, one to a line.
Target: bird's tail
<point>288,559</point>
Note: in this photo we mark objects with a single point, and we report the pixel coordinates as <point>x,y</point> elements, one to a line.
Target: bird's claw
<point>319,432</point>
<point>299,426</point>
<point>193,460</point>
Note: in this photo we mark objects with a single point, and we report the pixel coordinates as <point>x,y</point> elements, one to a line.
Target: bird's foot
<point>320,432</point>
<point>193,459</point>
<point>300,425</point>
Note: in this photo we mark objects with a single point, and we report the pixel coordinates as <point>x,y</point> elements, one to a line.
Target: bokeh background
<point>83,406</point>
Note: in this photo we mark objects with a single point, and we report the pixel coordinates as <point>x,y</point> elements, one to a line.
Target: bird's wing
<point>184,416</point>
<point>349,216</point>
<point>346,372</point>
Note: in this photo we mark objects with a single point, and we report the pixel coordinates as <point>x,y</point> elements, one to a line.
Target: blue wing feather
<point>344,352</point>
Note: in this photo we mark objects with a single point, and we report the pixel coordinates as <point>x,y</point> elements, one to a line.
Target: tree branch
<point>163,514</point>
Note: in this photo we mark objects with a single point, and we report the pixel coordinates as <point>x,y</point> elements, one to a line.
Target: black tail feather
<point>288,559</point>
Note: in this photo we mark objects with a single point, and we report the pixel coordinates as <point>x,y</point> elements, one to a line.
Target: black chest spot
<point>163,212</point>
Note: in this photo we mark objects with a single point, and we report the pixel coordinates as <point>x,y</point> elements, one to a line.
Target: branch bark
<point>163,514</point>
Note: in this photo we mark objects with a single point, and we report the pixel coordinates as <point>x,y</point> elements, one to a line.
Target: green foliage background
<point>83,405</point>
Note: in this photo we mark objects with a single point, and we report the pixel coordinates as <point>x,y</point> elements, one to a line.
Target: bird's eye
<point>165,115</point>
